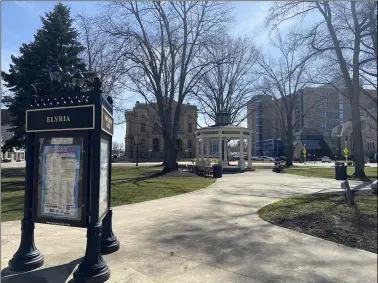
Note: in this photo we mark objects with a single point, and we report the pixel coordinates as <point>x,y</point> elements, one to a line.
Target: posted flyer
<point>60,181</point>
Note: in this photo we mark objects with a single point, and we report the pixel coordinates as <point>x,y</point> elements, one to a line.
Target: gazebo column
<point>249,151</point>
<point>241,154</point>
<point>202,151</point>
<point>220,161</point>
<point>225,160</point>
<point>208,152</point>
<point>197,151</point>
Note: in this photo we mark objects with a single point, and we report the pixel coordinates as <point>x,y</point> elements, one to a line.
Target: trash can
<point>340,171</point>
<point>217,171</point>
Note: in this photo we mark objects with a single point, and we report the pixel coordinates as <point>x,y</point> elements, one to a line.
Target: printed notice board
<point>60,181</point>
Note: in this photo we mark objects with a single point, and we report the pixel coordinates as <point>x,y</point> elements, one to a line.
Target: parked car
<point>373,158</point>
<point>326,159</point>
<point>114,158</point>
<point>267,158</point>
<point>235,156</point>
<point>5,160</point>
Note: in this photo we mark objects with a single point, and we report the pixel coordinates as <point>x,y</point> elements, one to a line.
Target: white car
<point>326,159</point>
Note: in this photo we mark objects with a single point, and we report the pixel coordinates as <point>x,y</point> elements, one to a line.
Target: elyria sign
<point>80,117</point>
<point>58,119</point>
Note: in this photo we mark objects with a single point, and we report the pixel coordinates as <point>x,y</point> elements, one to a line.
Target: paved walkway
<point>211,235</point>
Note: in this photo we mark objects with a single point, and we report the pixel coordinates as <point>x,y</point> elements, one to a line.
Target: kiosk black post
<point>27,256</point>
<point>93,268</point>
<point>109,242</point>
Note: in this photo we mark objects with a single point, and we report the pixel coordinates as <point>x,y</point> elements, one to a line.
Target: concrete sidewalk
<point>211,235</point>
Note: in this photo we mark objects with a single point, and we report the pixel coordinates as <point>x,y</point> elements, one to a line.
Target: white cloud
<point>250,17</point>
<point>28,6</point>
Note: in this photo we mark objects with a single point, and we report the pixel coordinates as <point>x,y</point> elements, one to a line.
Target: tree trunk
<point>166,147</point>
<point>289,151</point>
<point>358,150</point>
<point>289,142</point>
<point>170,154</point>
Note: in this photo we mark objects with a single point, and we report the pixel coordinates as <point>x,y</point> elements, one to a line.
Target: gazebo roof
<point>225,131</point>
<point>226,127</point>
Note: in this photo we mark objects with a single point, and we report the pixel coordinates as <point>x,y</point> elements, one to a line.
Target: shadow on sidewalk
<point>55,274</point>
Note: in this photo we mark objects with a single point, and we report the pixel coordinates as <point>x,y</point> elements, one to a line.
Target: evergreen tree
<point>55,42</point>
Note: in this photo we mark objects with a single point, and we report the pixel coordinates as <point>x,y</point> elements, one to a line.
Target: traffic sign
<point>346,151</point>
<point>304,151</point>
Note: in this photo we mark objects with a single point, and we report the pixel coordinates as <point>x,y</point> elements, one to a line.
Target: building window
<point>340,96</point>
<point>143,127</point>
<point>179,144</point>
<point>142,143</point>
<point>190,144</point>
<point>368,146</point>
<point>324,115</point>
<point>156,127</point>
<point>323,105</point>
<point>341,123</point>
<point>346,138</point>
<point>323,95</point>
<point>372,146</point>
<point>341,106</point>
<point>156,144</point>
<point>324,125</point>
<point>190,127</point>
<point>341,114</point>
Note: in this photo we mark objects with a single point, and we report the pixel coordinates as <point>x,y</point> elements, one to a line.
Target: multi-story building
<point>325,108</point>
<point>263,121</point>
<point>318,109</point>
<point>143,127</point>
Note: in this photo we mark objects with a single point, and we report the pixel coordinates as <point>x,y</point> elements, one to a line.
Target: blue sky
<point>21,19</point>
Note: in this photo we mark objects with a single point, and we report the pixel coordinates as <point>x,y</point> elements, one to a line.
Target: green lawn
<point>371,173</point>
<point>328,216</point>
<point>129,185</point>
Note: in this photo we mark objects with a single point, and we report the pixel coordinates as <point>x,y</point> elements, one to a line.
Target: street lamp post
<point>137,143</point>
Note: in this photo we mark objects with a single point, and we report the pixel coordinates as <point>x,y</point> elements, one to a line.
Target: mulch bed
<point>358,230</point>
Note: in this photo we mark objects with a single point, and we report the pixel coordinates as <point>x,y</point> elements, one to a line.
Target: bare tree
<point>341,33</point>
<point>160,43</point>
<point>229,83</point>
<point>102,58</point>
<point>283,79</point>
<point>116,147</point>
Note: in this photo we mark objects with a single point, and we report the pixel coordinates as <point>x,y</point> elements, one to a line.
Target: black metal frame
<point>100,237</point>
<point>84,185</point>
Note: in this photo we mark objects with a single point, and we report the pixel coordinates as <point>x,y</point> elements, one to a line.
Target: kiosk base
<point>27,256</point>
<point>109,242</point>
<point>93,268</point>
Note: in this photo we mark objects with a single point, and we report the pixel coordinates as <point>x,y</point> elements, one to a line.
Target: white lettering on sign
<point>56,119</point>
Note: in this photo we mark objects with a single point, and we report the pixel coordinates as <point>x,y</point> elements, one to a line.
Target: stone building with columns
<point>144,137</point>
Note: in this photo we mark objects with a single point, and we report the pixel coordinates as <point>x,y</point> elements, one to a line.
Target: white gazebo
<point>222,132</point>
